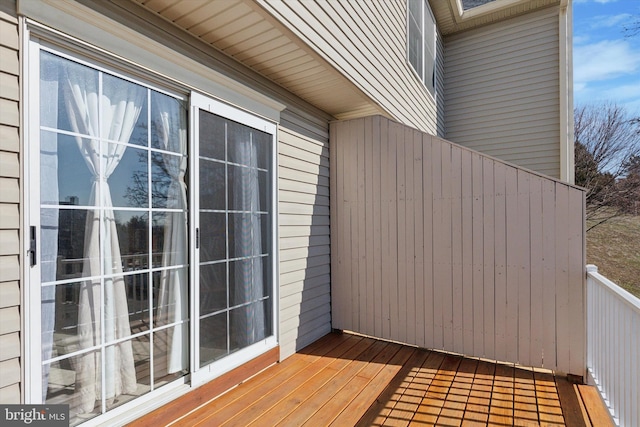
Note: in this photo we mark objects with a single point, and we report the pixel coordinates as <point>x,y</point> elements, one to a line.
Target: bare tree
<point>607,140</point>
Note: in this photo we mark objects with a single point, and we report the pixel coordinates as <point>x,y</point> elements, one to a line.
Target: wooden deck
<point>349,380</point>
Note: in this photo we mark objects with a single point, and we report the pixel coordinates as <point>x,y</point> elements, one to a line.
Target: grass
<point>615,248</point>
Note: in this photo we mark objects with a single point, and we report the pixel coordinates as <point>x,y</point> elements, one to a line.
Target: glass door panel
<point>236,223</point>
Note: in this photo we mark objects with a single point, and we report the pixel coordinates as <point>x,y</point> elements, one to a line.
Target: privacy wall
<point>438,246</point>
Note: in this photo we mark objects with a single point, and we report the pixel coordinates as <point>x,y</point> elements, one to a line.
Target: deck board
<point>345,380</point>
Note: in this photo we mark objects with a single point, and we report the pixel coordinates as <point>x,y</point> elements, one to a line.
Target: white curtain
<point>170,125</point>
<point>249,285</point>
<point>110,113</point>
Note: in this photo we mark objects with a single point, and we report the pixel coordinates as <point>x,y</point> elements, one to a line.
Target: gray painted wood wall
<point>502,90</point>
<point>10,323</point>
<point>438,246</point>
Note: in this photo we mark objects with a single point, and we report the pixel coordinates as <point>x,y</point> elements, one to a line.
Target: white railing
<point>613,346</point>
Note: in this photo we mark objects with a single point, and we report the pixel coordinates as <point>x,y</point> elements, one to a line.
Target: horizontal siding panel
<point>9,190</point>
<point>310,199</point>
<point>9,87</point>
<point>304,155</point>
<point>9,165</point>
<point>301,253</point>
<point>369,50</point>
<point>9,138</point>
<point>9,62</point>
<point>302,209</point>
<point>10,395</point>
<point>297,242</point>
<point>302,231</point>
<point>9,217</point>
<point>9,113</point>
<point>9,242</point>
<point>302,220</point>
<point>304,285</point>
<point>502,90</point>
<point>9,294</point>
<point>9,320</point>
<point>296,276</point>
<point>9,268</point>
<point>9,372</point>
<point>296,339</point>
<point>303,166</point>
<point>309,178</point>
<point>317,295</point>
<point>303,264</point>
<point>10,345</point>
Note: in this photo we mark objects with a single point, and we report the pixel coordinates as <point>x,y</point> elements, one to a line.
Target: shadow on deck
<point>348,380</point>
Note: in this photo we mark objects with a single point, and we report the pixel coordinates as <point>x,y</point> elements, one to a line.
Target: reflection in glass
<point>142,362</point>
<point>213,287</point>
<point>62,236</point>
<point>62,387</point>
<point>162,354</point>
<point>168,123</point>
<point>213,338</point>
<point>166,181</point>
<point>64,177</point>
<point>129,181</point>
<point>243,187</point>
<point>64,328</point>
<point>137,286</point>
<point>169,244</point>
<point>169,308</point>
<point>239,144</point>
<point>262,141</point>
<point>133,232</point>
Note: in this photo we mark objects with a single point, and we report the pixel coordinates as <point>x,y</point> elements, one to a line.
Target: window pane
<point>170,296</point>
<point>167,180</point>
<point>213,232</point>
<point>243,187</point>
<point>60,379</point>
<point>137,286</point>
<point>212,185</point>
<point>264,193</point>
<point>141,383</point>
<point>128,176</point>
<point>239,144</point>
<point>213,338</point>
<point>60,319</point>
<point>249,324</point>
<point>213,287</point>
<point>169,234</point>
<point>241,282</point>
<point>62,240</point>
<point>168,123</point>
<point>124,111</point>
<point>262,142</point>
<point>241,228</point>
<point>212,136</point>
<point>65,178</point>
<point>133,236</point>
<point>170,354</point>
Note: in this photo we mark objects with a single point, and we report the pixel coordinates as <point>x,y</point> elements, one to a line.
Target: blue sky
<point>606,64</point>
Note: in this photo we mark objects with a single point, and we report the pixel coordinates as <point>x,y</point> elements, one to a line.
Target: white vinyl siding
<point>10,322</point>
<point>502,94</point>
<point>367,42</point>
<point>304,240</point>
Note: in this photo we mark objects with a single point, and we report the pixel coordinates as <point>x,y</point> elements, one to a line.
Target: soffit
<point>245,32</point>
<point>452,18</point>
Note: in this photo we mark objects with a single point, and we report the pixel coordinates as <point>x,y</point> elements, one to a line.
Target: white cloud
<point>604,60</point>
<point>609,21</point>
<point>595,1</point>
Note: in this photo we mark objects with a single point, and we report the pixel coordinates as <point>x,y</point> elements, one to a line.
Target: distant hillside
<point>615,248</point>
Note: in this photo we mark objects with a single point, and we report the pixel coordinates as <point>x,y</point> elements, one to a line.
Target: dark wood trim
<point>207,392</point>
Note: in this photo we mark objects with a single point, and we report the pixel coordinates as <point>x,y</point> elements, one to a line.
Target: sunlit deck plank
<point>351,380</point>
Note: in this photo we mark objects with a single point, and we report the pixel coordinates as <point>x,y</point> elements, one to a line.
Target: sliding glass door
<point>150,209</point>
<point>235,231</point>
